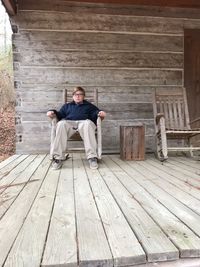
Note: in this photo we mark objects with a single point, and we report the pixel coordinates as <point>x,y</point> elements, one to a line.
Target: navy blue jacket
<point>73,111</point>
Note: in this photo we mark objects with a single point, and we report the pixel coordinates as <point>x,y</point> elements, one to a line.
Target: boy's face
<point>78,97</point>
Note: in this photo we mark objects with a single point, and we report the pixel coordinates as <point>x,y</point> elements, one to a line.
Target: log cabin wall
<point>123,51</point>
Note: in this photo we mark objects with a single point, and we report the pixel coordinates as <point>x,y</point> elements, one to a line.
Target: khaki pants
<point>65,129</point>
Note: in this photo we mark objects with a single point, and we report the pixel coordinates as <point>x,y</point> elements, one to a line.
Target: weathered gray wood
<point>121,238</point>
<point>28,106</point>
<point>12,221</point>
<point>155,168</point>
<point>178,263</point>
<point>61,246</point>
<point>105,94</point>
<point>13,189</point>
<point>28,246</point>
<point>98,59</point>
<point>183,173</point>
<point>28,147</point>
<point>155,243</point>
<point>35,96</point>
<point>193,167</point>
<point>8,160</point>
<point>34,127</point>
<point>71,21</point>
<point>187,179</point>
<point>115,9</point>
<point>96,41</point>
<point>92,242</point>
<point>178,233</point>
<point>185,214</point>
<point>102,89</point>
<point>127,110</point>
<point>102,76</point>
<point>33,116</point>
<point>10,165</point>
<point>124,180</point>
<point>185,198</point>
<point>177,193</point>
<point>194,164</point>
<point>12,175</point>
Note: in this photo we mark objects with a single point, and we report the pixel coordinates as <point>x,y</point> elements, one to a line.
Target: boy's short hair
<point>78,88</point>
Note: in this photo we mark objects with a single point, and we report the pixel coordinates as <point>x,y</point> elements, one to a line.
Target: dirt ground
<point>7,132</point>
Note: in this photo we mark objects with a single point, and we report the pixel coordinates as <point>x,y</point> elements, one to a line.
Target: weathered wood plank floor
<point>125,213</point>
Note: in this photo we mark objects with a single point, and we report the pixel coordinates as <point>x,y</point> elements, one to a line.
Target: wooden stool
<point>132,142</point>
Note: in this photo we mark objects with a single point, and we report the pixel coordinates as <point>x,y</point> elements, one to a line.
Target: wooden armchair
<point>76,138</point>
<point>172,122</point>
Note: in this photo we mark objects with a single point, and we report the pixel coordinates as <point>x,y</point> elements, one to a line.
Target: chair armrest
<point>53,128</point>
<point>99,137</point>
<point>158,117</point>
<point>54,121</point>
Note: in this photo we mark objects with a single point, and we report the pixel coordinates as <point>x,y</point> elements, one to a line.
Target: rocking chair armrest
<point>53,127</point>
<point>54,121</point>
<point>99,137</point>
<point>99,120</point>
<point>158,117</point>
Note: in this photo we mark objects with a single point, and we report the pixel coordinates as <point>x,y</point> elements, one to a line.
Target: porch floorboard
<point>126,213</point>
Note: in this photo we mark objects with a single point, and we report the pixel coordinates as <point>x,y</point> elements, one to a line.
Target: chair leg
<point>163,138</point>
<point>190,145</point>
<point>53,134</point>
<point>158,146</point>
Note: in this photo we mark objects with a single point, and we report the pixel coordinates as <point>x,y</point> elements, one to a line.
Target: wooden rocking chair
<point>93,98</point>
<point>172,121</point>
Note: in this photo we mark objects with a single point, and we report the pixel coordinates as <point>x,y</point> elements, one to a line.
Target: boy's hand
<point>102,114</point>
<point>51,114</point>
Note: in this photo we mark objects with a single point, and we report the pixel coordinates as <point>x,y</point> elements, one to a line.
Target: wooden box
<point>132,142</point>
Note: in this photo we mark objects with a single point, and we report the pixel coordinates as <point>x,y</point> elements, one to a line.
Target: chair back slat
<point>172,103</point>
<point>175,112</point>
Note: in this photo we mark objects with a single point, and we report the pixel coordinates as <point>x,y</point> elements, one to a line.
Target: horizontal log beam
<point>10,6</point>
<point>168,3</point>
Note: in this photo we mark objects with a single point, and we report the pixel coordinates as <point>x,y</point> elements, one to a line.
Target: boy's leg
<point>64,131</point>
<point>87,129</point>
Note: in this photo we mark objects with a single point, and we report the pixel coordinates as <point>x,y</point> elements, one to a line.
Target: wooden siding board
<point>10,6</point>
<point>98,59</point>
<point>69,21</point>
<point>95,77</point>
<point>103,8</point>
<point>96,41</point>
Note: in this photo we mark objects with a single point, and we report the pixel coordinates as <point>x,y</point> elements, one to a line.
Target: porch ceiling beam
<point>10,6</point>
<point>169,3</point>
